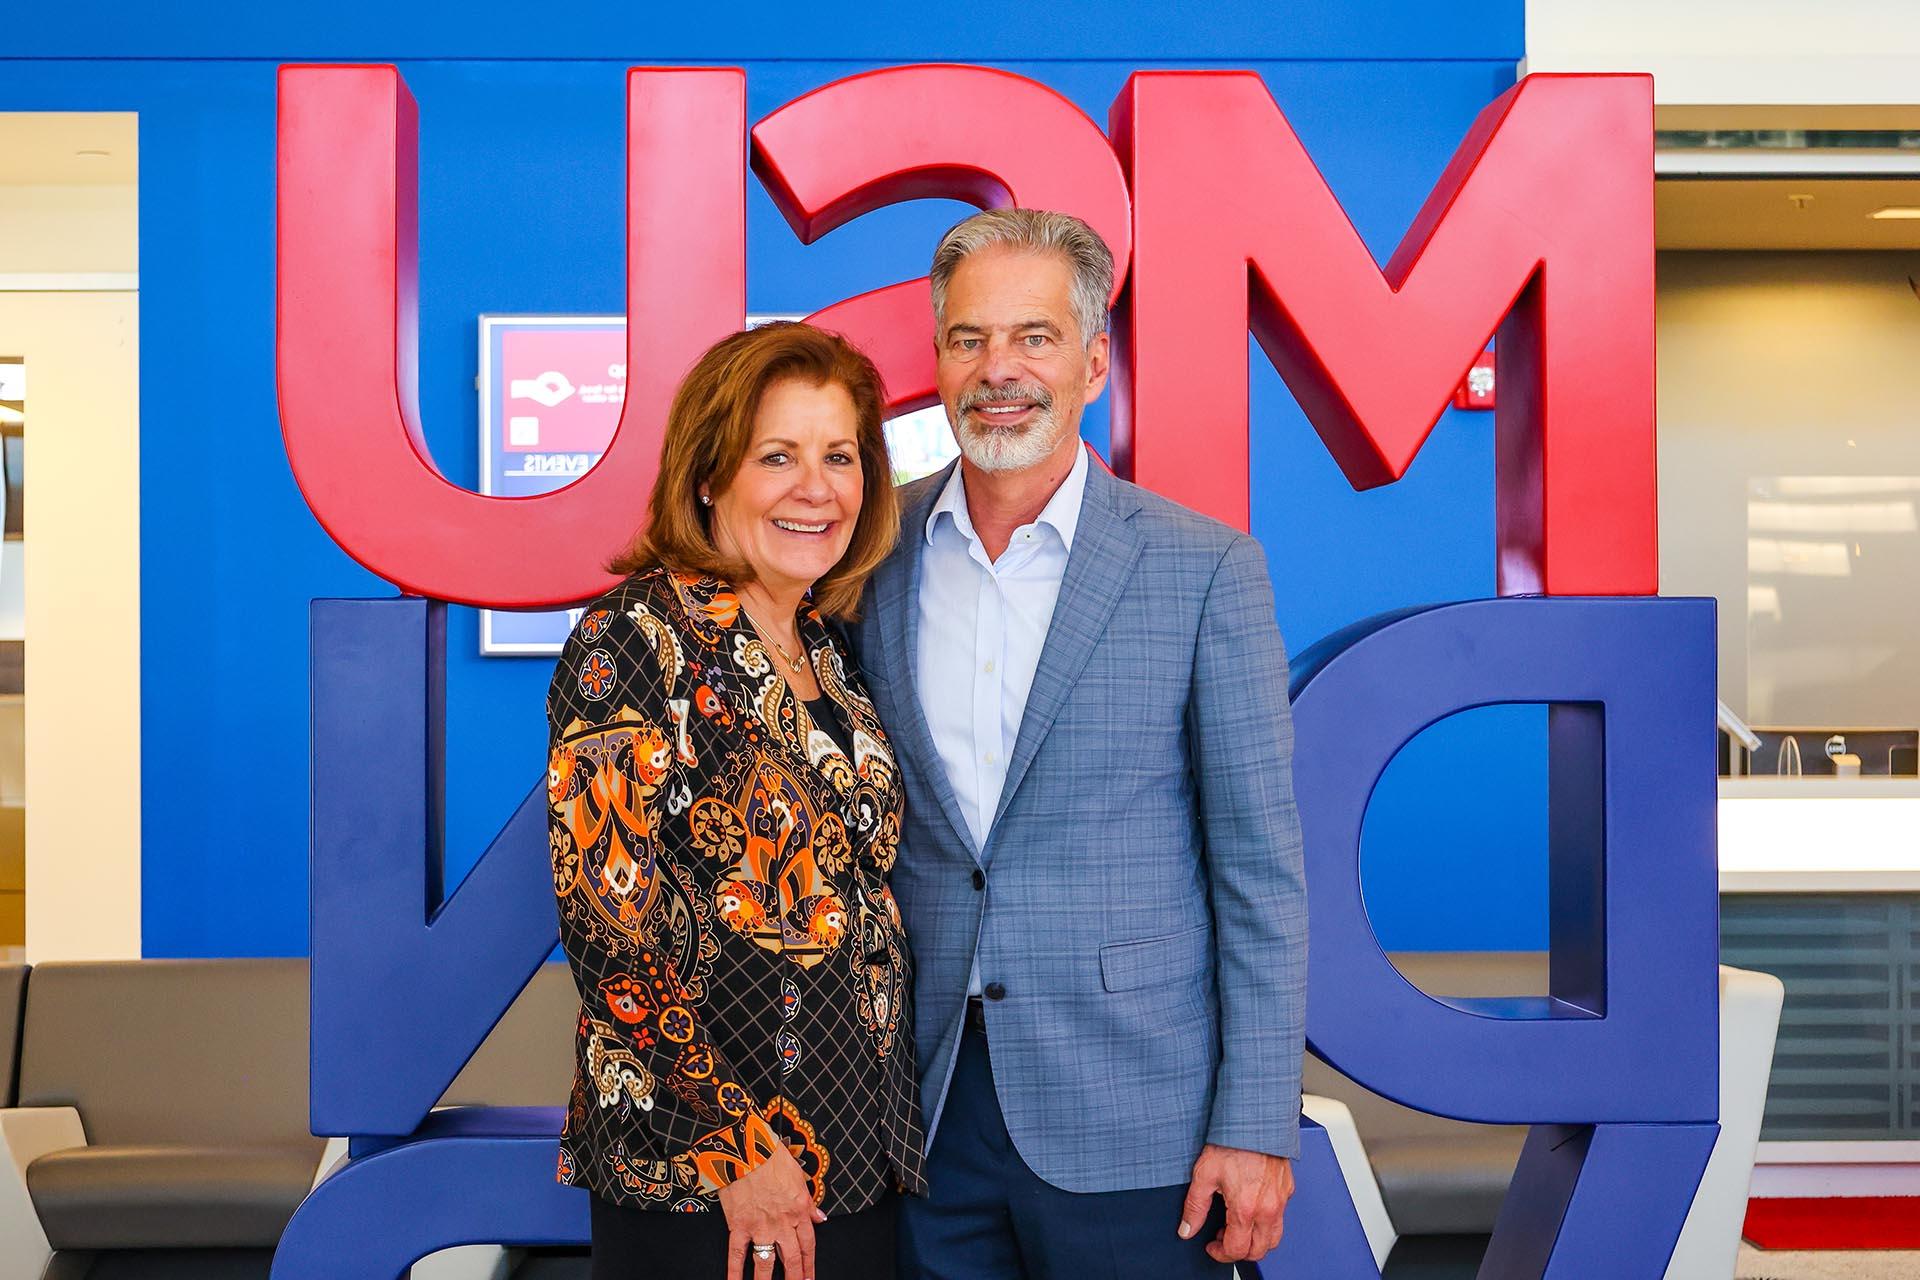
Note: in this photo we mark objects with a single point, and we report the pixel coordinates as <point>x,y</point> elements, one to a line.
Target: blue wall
<point>521,183</point>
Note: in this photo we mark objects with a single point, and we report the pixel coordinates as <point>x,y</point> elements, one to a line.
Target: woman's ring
<point>765,1252</point>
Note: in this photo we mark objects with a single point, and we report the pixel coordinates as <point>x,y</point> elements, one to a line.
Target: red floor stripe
<point>1838,1222</point>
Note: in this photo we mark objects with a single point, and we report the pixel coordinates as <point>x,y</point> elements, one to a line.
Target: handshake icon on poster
<point>549,389</point>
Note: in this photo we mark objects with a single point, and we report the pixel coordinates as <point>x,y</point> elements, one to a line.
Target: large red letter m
<point>1541,226</point>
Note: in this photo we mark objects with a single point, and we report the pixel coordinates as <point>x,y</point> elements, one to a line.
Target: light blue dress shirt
<point>982,625</point>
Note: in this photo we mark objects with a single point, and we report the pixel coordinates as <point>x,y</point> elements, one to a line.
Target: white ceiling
<point>44,148</point>
<point>1760,213</point>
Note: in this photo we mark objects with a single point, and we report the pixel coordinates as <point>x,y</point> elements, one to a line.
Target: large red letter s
<point>1544,217</point>
<point>988,137</point>
<point>348,329</point>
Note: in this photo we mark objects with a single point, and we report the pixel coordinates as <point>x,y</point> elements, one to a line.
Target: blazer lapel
<point>897,606</point>
<point>1105,547</point>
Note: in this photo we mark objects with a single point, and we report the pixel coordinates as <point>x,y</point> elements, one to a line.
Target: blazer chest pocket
<point>1146,962</point>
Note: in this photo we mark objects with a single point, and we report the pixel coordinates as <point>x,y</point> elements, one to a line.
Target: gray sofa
<point>527,1061</point>
<point>159,1126</point>
<point>13,996</point>
<point>184,1147</point>
<point>185,1085</point>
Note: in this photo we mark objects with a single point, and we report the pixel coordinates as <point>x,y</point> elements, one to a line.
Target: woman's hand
<point>772,1205</point>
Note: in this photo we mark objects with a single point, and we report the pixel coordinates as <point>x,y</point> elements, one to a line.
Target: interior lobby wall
<point>69,253</point>
<point>1790,474</point>
<point>83,622</point>
<point>58,228</point>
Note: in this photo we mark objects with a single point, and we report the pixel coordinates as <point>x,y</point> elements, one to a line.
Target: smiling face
<point>1014,371</point>
<point>790,508</point>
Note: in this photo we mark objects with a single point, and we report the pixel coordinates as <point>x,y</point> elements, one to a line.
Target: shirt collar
<point>1061,514</point>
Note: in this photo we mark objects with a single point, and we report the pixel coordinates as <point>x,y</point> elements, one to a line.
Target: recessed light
<point>1896,211</point>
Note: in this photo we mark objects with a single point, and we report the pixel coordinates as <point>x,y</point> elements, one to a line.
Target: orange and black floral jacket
<point>721,868</point>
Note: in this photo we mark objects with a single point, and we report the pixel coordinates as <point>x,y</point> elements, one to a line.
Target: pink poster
<point>562,388</point>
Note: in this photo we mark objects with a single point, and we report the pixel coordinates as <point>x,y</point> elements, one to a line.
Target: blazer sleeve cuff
<point>1265,1134</point>
<point>741,1148</point>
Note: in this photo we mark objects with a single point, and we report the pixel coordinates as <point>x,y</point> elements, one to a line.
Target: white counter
<point>1819,835</point>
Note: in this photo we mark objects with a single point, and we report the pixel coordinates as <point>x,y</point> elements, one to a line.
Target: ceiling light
<point>93,153</point>
<point>1831,517</point>
<point>1896,211</point>
<point>1797,557</point>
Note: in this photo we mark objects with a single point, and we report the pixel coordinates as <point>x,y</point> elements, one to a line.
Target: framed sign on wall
<point>551,388</point>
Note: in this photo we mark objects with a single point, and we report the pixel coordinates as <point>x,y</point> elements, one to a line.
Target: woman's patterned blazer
<point>721,868</point>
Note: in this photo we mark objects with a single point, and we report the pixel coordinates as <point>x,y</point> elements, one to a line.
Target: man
<point>1101,870</point>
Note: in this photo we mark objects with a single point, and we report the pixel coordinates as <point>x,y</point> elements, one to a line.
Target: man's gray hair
<point>1032,231</point>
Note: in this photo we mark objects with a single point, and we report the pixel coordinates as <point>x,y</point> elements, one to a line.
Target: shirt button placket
<point>986,707</point>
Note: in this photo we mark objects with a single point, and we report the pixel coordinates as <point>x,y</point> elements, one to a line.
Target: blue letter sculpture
<point>1616,1068</point>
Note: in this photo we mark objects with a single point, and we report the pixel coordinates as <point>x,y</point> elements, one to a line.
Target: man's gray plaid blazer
<point>1140,898</point>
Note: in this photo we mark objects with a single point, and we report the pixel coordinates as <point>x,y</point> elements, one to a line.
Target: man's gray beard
<point>1001,449</point>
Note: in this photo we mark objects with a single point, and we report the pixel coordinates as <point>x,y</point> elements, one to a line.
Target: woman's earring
<point>705,500</point>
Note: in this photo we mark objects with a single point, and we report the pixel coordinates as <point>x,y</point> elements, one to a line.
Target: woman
<point>724,811</point>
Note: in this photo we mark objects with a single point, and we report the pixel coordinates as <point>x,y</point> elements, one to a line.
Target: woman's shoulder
<point>616,640</point>
<point>657,591</point>
<point>646,588</point>
<point>690,604</point>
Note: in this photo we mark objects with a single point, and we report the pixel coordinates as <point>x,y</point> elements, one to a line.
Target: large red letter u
<point>347,332</point>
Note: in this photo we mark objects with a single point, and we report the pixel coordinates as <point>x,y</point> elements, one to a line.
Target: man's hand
<point>1256,1188</point>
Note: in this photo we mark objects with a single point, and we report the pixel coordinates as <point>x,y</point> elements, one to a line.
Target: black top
<point>722,881</point>
<point>820,710</point>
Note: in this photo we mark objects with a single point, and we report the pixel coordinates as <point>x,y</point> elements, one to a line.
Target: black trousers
<point>650,1244</point>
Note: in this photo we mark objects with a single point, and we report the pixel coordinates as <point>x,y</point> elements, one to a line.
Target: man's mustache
<point>1009,393</point>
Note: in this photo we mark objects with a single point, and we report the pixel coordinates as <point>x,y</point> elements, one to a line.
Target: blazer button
<point>994,991</point>
<point>979,878</point>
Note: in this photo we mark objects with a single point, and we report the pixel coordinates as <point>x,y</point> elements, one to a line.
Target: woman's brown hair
<point>708,430</point>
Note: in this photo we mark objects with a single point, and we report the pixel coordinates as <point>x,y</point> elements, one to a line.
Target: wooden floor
<point>1844,1264</point>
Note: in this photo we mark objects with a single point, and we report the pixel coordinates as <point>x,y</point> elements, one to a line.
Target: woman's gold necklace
<point>794,664</point>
